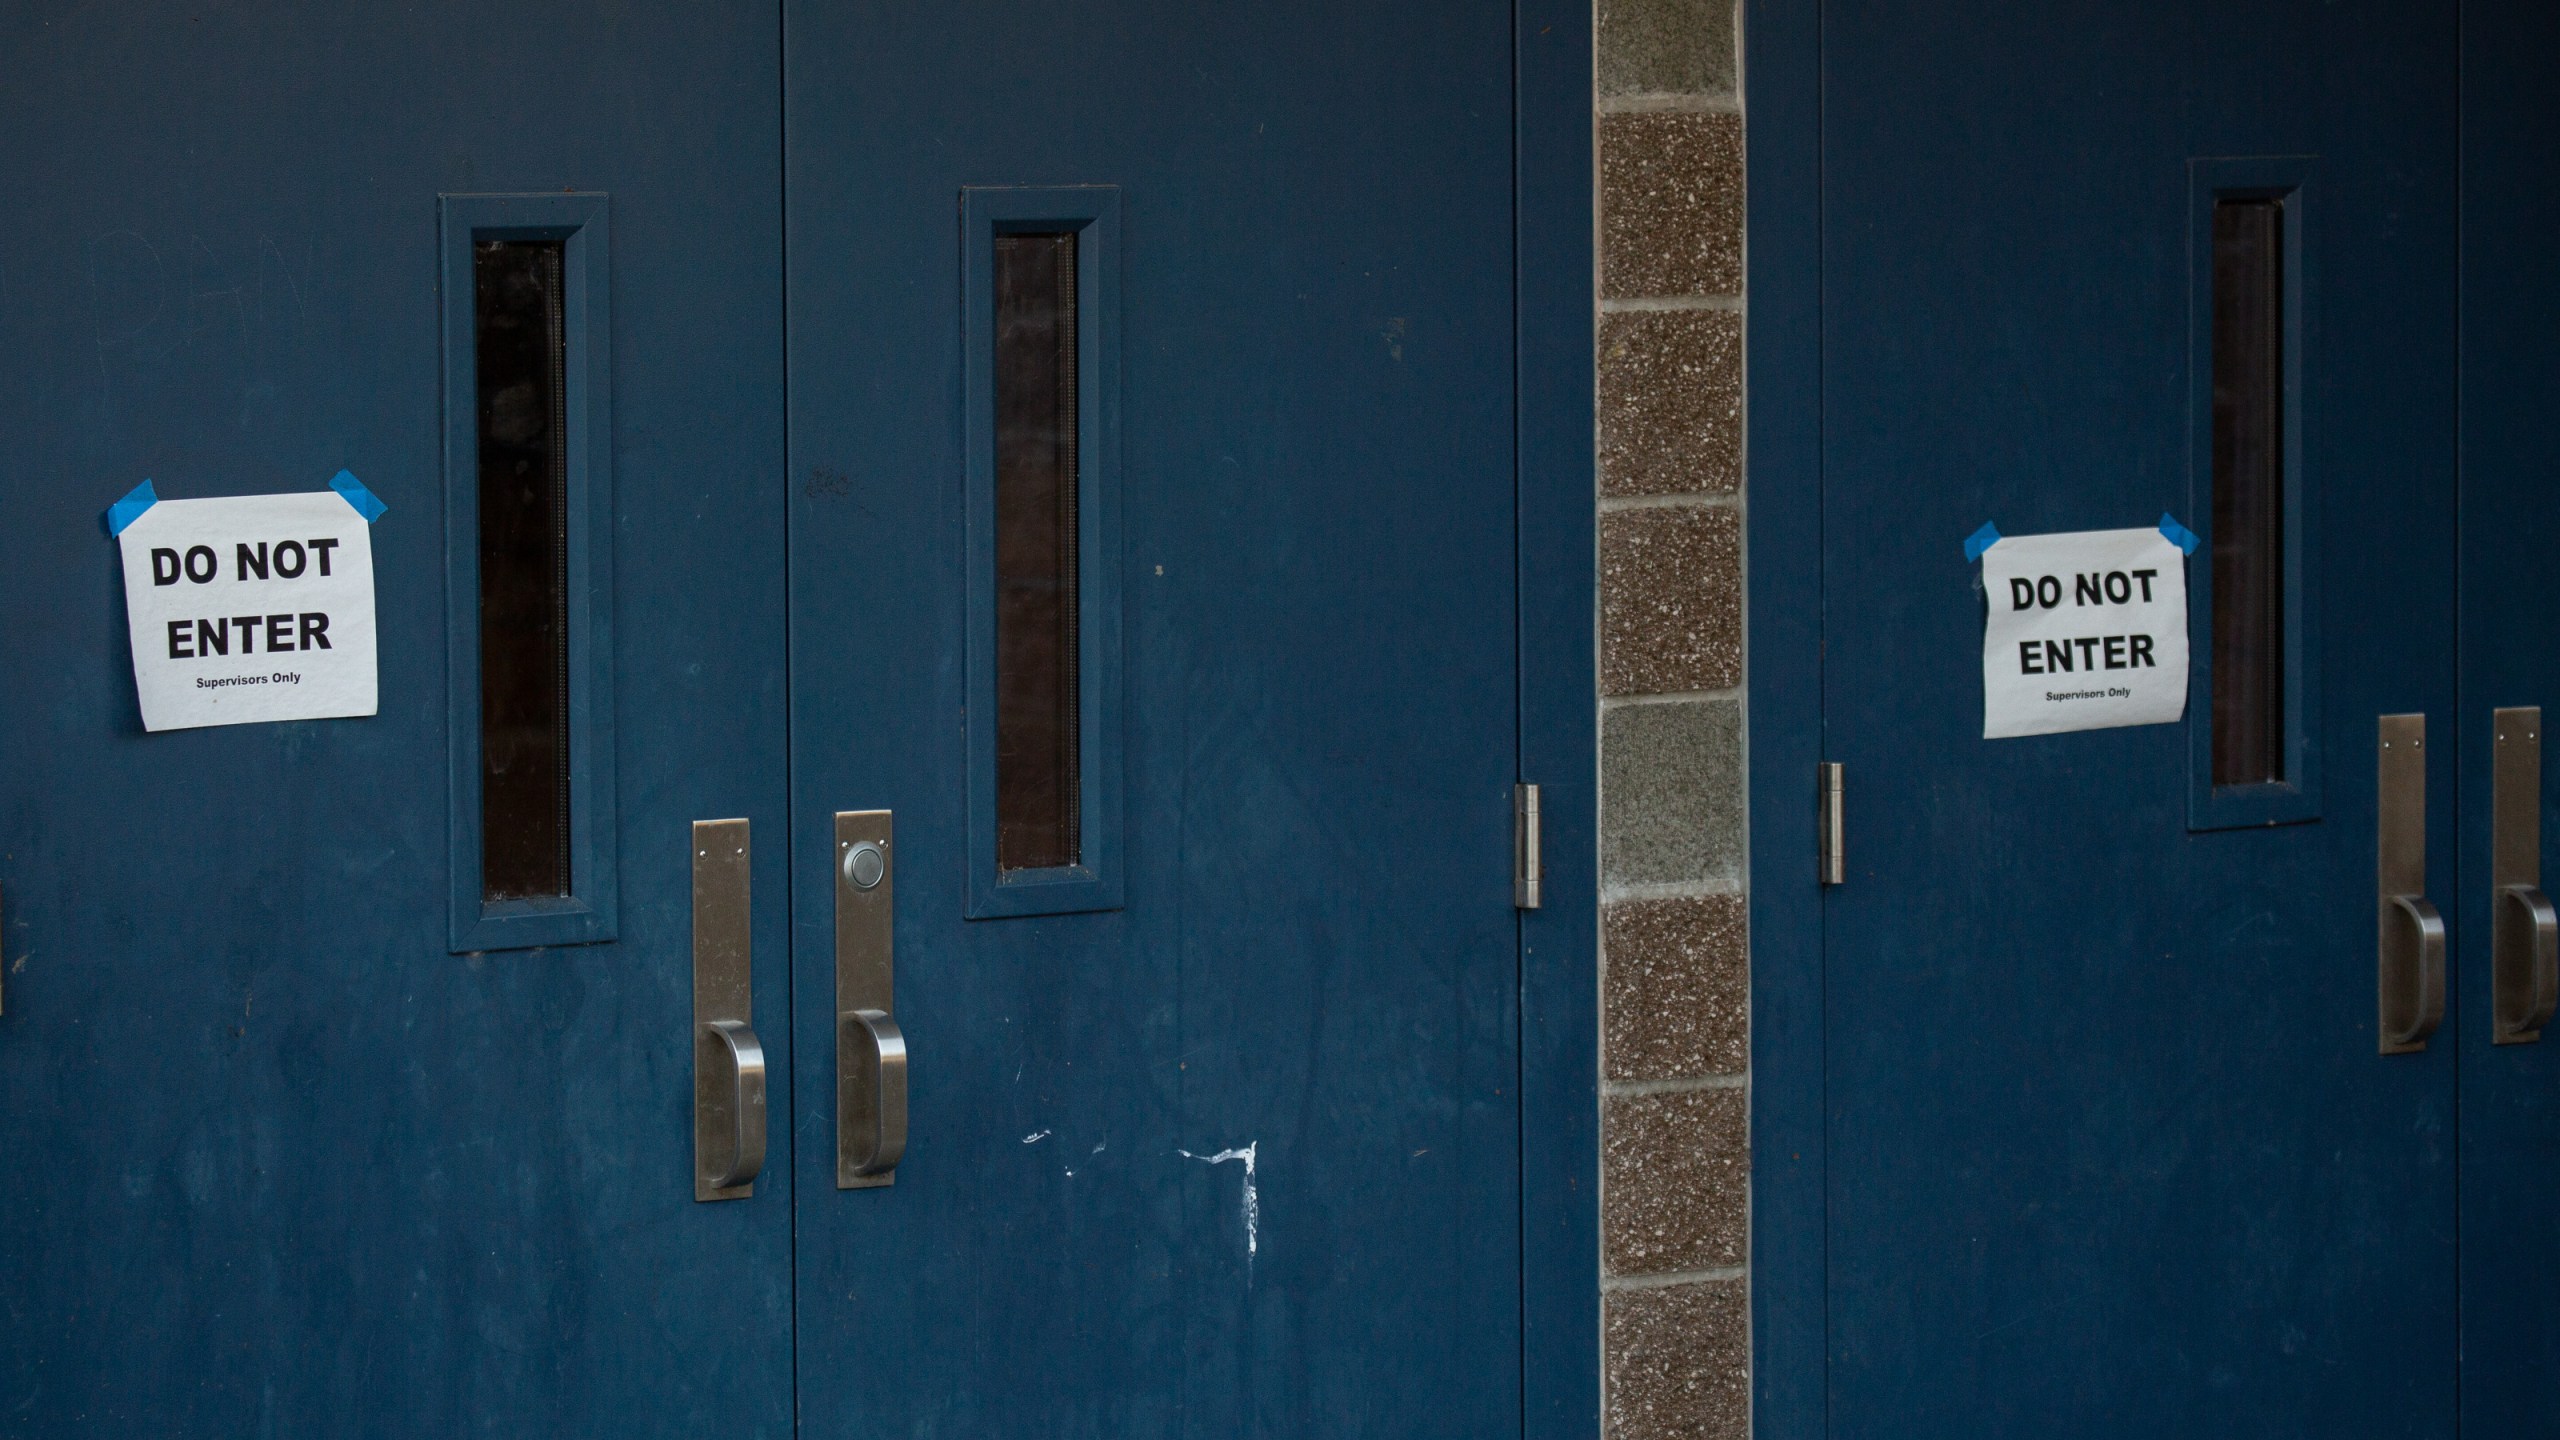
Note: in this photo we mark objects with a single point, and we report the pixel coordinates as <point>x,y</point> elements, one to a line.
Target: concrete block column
<point>1675,1178</point>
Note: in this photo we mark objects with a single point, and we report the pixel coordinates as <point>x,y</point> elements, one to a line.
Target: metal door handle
<point>737,1055</point>
<point>2411,968</point>
<point>871,1052</point>
<point>871,1093</point>
<point>2525,939</point>
<point>728,1062</point>
<point>2524,935</point>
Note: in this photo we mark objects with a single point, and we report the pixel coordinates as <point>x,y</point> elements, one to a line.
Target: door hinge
<point>1525,865</point>
<point>1834,862</point>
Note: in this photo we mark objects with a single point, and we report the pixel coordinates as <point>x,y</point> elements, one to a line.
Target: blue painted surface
<point>2108,1147</point>
<point>2510,392</point>
<point>1317,963</point>
<point>279,1163</point>
<point>1789,1363</point>
<point>1559,741</point>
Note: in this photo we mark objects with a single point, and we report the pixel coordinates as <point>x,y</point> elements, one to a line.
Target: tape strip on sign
<point>129,509</point>
<point>2177,534</point>
<point>252,607</point>
<point>368,504</point>
<point>1980,540</point>
<point>2086,631</point>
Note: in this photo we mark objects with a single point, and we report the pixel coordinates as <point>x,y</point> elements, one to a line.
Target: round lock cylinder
<point>864,865</point>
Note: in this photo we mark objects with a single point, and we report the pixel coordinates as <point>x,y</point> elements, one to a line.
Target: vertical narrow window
<point>2249,446</point>
<point>525,288</point>
<point>1039,769</point>
<point>521,362</point>
<point>1039,315</point>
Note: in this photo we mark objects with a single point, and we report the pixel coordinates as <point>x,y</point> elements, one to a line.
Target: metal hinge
<point>1525,867</point>
<point>1833,866</point>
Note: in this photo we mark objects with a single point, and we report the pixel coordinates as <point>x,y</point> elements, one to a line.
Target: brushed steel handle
<point>737,1058</point>
<point>871,1052</point>
<point>871,1093</point>
<point>2524,938</point>
<point>2413,973</point>
<point>2410,967</point>
<point>2525,955</point>
<point>728,1063</point>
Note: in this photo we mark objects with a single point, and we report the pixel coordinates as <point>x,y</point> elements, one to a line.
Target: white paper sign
<point>2087,631</point>
<point>258,607</point>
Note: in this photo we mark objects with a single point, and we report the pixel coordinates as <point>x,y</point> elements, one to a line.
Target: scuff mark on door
<point>1252,1201</point>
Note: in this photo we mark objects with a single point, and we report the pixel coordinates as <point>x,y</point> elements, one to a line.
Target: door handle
<point>2526,964</point>
<point>871,1096</point>
<point>2524,932</point>
<point>728,1061</point>
<point>871,1052</point>
<point>738,1065</point>
<point>2411,966</point>
<point>2413,973</point>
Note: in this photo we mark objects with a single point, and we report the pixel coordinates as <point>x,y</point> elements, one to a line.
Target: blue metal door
<point>2510,1137</point>
<point>1213,1122</point>
<point>299,1142</point>
<point>2112,1147</point>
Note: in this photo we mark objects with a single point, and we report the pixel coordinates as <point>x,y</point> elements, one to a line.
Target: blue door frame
<point>1559,720</point>
<point>1782,53</point>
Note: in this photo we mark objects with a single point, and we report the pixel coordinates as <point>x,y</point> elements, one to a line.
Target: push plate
<point>871,1056</point>
<point>728,1065</point>
<point>2524,932</point>
<point>2411,942</point>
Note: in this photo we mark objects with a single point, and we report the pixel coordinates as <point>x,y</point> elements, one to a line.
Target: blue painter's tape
<point>129,509</point>
<point>368,504</point>
<point>2179,535</point>
<point>1980,540</point>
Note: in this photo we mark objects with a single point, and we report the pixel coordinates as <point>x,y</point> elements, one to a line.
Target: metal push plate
<point>871,1053</point>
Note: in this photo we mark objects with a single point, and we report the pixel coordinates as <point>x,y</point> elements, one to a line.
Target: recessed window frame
<point>580,223</point>
<point>1092,214</point>
<point>2296,797</point>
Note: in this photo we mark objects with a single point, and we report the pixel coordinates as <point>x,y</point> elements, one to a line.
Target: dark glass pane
<point>2248,492</point>
<point>1038,771</point>
<point>522,359</point>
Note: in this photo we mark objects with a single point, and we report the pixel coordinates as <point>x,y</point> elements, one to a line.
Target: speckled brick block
<point>1670,402</point>
<point>1674,1181</point>
<point>1679,987</point>
<point>1679,1365</point>
<point>1670,204</point>
<point>1671,792</point>
<point>1670,600</point>
<point>1653,47</point>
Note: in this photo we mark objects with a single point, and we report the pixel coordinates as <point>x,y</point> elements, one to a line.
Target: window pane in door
<point>2248,492</point>
<point>521,356</point>
<point>1039,792</point>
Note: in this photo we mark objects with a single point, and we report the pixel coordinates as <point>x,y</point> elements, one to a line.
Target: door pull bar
<point>2524,931</point>
<point>728,1062</point>
<point>872,1093</point>
<point>871,1052</point>
<point>741,1081</point>
<point>1831,821</point>
<point>1527,862</point>
<point>2411,962</point>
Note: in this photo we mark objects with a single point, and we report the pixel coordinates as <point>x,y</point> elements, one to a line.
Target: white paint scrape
<point>1252,1201</point>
